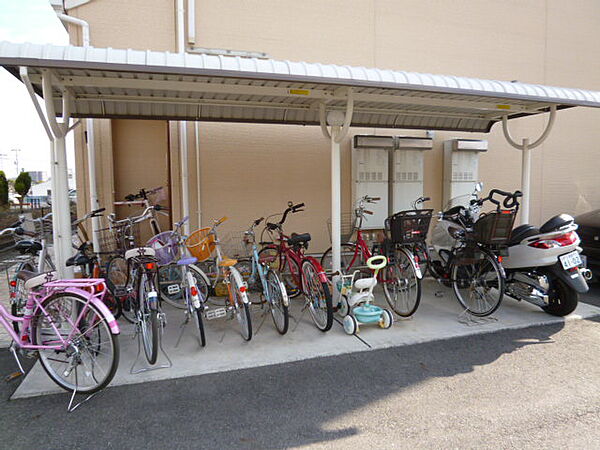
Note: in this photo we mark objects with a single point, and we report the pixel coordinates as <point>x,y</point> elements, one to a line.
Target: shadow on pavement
<point>275,406</point>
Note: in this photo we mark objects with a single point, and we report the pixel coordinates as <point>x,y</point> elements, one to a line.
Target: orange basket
<point>201,244</point>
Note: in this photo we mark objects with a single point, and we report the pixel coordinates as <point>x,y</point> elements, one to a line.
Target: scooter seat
<point>365,283</point>
<point>522,232</point>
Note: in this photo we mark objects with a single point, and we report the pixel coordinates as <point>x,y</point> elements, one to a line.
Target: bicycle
<point>170,275</point>
<point>401,278</point>
<point>301,274</point>
<point>169,247</point>
<point>201,244</point>
<point>66,324</point>
<point>265,280</point>
<point>468,248</point>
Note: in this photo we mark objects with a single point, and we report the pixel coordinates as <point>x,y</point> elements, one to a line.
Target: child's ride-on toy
<point>356,307</point>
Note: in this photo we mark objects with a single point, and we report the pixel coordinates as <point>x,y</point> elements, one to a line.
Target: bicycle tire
<point>172,274</point>
<point>279,310</point>
<point>100,324</point>
<point>470,278</point>
<point>421,253</point>
<point>200,326</point>
<point>147,316</point>
<point>18,302</point>
<point>270,255</point>
<point>242,310</point>
<point>401,285</point>
<point>317,295</point>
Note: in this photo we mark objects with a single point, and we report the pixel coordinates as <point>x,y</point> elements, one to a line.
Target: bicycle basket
<point>118,239</point>
<point>201,244</point>
<point>348,224</point>
<point>409,226</point>
<point>494,228</point>
<point>165,246</point>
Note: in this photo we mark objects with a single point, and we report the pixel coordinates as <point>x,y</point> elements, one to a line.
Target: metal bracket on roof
<point>541,139</point>
<point>347,117</point>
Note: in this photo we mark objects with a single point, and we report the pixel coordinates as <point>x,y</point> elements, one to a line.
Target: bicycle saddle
<point>227,262</point>
<point>35,279</point>
<point>28,246</point>
<point>299,238</point>
<point>365,283</point>
<point>139,252</point>
<point>78,260</point>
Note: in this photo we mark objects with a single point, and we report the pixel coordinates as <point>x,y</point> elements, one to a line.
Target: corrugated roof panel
<point>132,83</point>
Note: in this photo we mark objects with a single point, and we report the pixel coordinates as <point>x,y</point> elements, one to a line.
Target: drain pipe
<point>183,147</point>
<point>91,149</point>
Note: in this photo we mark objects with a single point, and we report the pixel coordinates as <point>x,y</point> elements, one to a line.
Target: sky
<point>20,127</point>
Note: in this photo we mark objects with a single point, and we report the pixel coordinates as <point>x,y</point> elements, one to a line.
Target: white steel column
<point>525,179</point>
<point>198,174</point>
<point>526,148</point>
<point>183,147</point>
<point>336,199</point>
<point>340,124</point>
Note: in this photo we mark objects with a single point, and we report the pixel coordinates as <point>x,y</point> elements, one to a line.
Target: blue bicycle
<point>261,278</point>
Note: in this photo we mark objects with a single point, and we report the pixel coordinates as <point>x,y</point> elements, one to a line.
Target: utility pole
<point>17,151</point>
<point>3,157</point>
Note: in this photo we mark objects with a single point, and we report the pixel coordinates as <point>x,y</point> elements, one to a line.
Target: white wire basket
<point>347,226</point>
<point>233,245</point>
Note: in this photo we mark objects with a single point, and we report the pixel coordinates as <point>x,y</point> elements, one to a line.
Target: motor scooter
<point>542,265</point>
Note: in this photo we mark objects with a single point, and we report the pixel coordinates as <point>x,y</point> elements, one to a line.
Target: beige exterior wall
<point>252,170</point>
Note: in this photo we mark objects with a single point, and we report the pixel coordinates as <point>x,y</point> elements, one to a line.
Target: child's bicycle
<point>356,308</point>
<point>169,247</point>
<point>201,244</point>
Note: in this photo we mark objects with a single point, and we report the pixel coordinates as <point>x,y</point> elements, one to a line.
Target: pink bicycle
<point>67,325</point>
<point>300,273</point>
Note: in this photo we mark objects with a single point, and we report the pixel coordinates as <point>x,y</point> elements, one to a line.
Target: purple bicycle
<point>66,323</point>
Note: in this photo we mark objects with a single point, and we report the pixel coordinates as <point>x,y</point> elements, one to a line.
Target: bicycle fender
<point>286,299</point>
<point>413,263</point>
<point>314,262</point>
<point>240,280</point>
<point>99,304</point>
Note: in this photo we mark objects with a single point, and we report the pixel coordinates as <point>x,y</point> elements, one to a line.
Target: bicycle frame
<point>35,303</point>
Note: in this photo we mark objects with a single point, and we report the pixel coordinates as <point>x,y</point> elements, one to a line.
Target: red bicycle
<point>301,274</point>
<point>401,278</point>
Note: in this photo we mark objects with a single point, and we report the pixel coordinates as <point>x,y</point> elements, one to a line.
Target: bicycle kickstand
<point>21,371</point>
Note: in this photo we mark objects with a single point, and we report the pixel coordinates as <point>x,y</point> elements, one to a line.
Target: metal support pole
<point>336,200</point>
<point>61,210</point>
<point>94,203</point>
<point>198,174</point>
<point>185,184</point>
<point>525,180</point>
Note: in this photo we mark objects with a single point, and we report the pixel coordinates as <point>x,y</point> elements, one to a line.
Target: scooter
<point>356,308</point>
<point>542,266</point>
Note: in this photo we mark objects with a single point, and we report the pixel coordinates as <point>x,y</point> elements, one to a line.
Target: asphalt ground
<point>526,388</point>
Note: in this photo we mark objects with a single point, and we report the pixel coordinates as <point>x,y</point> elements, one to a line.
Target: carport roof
<point>134,84</point>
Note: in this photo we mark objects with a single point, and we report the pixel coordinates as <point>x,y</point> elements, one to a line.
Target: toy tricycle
<point>356,308</point>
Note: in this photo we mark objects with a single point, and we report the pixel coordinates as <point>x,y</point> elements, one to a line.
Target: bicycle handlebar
<point>510,199</point>
<point>366,211</point>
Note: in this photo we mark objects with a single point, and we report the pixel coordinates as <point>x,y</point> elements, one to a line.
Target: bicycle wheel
<point>287,269</point>
<point>477,281</point>
<point>347,259</point>
<point>90,359</point>
<point>200,325</point>
<point>170,286</point>
<point>275,296</point>
<point>116,275</point>
<point>19,298</point>
<point>401,285</point>
<point>147,318</point>
<point>317,295</point>
<point>242,310</point>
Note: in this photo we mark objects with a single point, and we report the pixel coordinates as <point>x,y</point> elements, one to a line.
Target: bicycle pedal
<point>215,313</point>
<point>13,376</point>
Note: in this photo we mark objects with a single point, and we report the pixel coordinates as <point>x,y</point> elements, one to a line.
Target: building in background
<point>37,176</point>
<point>247,171</point>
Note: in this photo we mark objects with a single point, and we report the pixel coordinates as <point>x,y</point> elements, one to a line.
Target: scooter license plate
<point>570,260</point>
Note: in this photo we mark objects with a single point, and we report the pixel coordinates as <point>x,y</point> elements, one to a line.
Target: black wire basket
<point>494,228</point>
<point>406,227</point>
